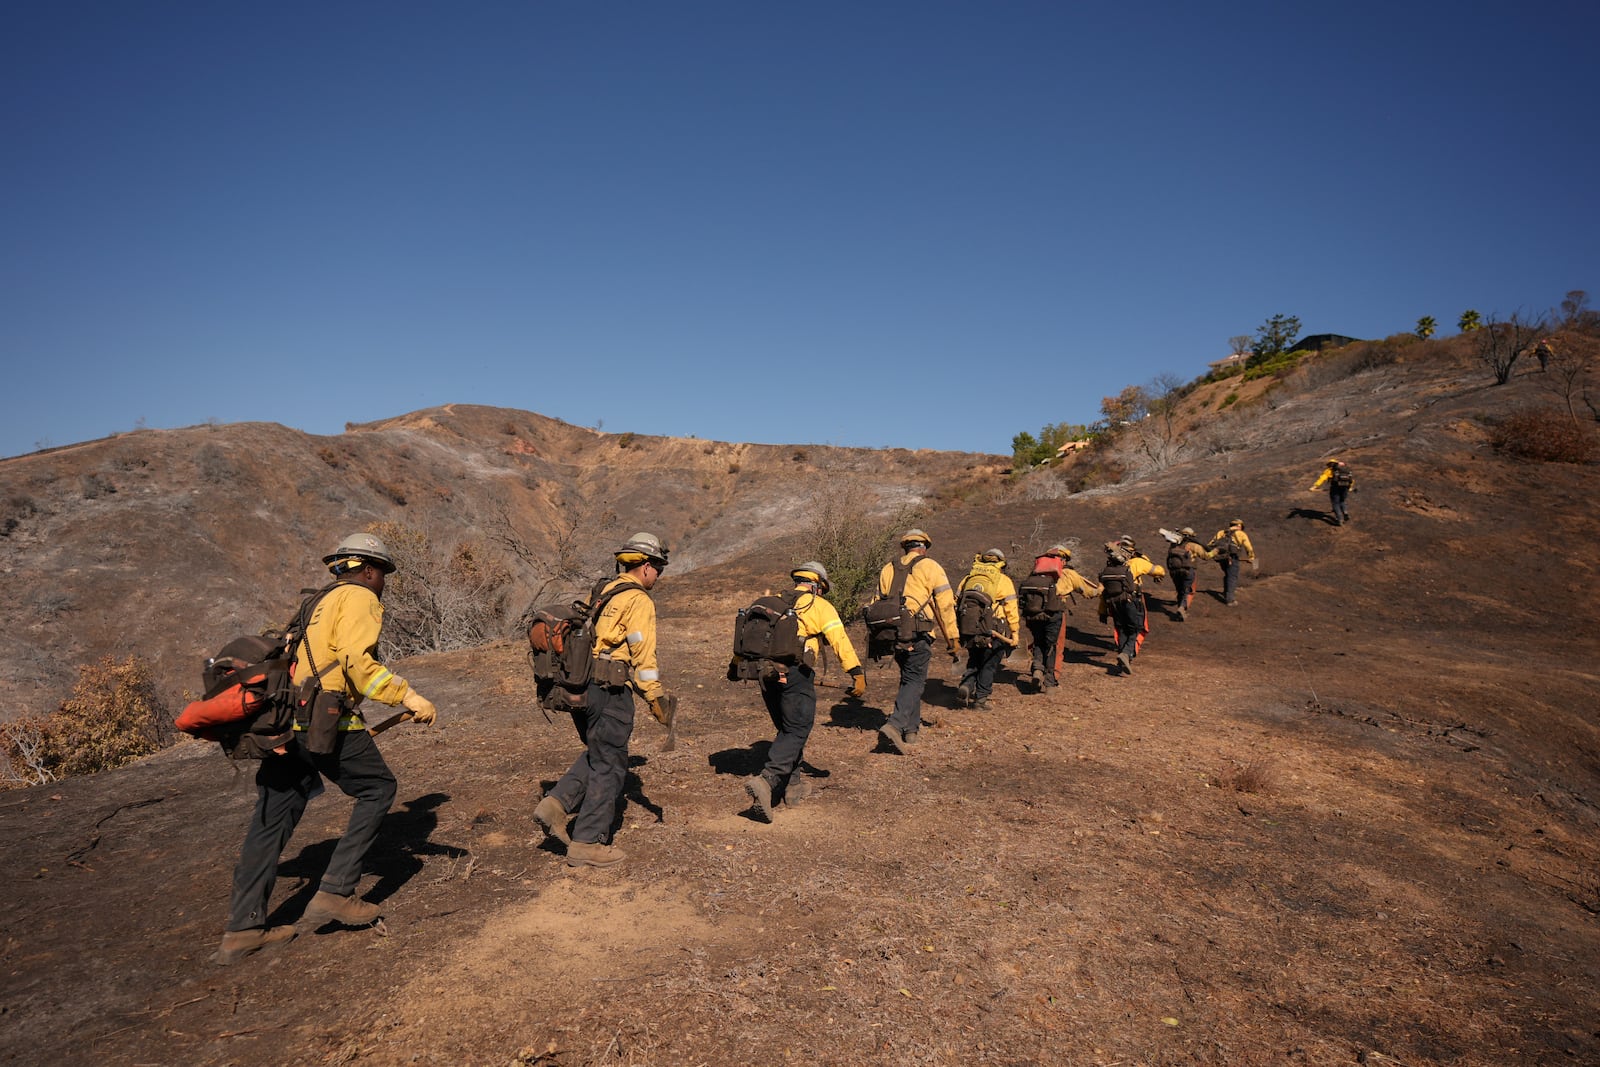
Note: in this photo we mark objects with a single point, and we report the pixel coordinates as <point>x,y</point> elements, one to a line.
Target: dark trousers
<point>1183,584</point>
<point>982,665</point>
<point>593,784</point>
<point>791,700</point>
<point>284,785</point>
<point>1129,623</point>
<point>1337,498</point>
<point>1230,579</point>
<point>1046,633</point>
<point>913,661</point>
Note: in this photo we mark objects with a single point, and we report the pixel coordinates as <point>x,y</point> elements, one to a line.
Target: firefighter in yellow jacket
<point>1044,627</point>
<point>339,647</point>
<point>1341,482</point>
<point>933,606</point>
<point>1228,548</point>
<point>790,692</point>
<point>1122,598</point>
<point>986,650</point>
<point>624,664</point>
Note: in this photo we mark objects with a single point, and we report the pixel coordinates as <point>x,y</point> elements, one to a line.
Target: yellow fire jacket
<point>927,592</point>
<point>819,621</point>
<point>626,631</point>
<point>1240,538</point>
<point>342,637</point>
<point>1070,581</point>
<point>1327,472</point>
<point>991,578</point>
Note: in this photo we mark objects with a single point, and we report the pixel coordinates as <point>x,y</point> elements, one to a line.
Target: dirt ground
<point>1351,820</point>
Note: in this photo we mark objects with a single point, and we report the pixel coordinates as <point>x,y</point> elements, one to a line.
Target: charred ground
<point>1351,820</point>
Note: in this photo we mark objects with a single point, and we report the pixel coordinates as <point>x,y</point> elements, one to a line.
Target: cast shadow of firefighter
<point>1312,513</point>
<point>396,856</point>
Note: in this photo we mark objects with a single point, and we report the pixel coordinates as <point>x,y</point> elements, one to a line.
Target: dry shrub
<point>113,717</point>
<point>854,546</point>
<point>1544,434</point>
<point>442,595</point>
<point>1252,777</point>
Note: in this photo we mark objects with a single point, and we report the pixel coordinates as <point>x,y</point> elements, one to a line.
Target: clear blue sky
<point>924,224</point>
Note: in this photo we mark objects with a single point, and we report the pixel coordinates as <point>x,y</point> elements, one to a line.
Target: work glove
<point>858,683</point>
<point>954,649</point>
<point>664,708</point>
<point>421,708</point>
<point>1254,566</point>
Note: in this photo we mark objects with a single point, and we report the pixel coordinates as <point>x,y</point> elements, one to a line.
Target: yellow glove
<point>421,708</point>
<point>858,684</point>
<point>954,649</point>
<point>664,708</point>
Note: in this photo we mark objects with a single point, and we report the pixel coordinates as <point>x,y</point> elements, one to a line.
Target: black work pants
<point>1337,498</point>
<point>593,784</point>
<point>284,785</point>
<point>1183,584</point>
<point>913,660</point>
<point>1046,633</point>
<point>1130,622</point>
<point>1230,579</point>
<point>982,666</point>
<point>791,700</point>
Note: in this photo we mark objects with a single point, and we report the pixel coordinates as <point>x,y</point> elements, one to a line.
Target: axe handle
<point>393,720</point>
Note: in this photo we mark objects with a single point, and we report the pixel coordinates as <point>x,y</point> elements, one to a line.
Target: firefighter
<point>790,692</point>
<point>1122,600</point>
<point>624,665</point>
<point>1183,563</point>
<point>927,596</point>
<point>1341,482</point>
<point>1228,548</point>
<point>985,651</point>
<point>339,647</point>
<point>1045,628</point>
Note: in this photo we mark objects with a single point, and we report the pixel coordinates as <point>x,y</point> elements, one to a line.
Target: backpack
<point>1179,559</point>
<point>890,622</point>
<point>561,650</point>
<point>250,700</point>
<point>1037,598</point>
<point>1342,478</point>
<point>767,632</point>
<point>1116,583</point>
<point>975,618</point>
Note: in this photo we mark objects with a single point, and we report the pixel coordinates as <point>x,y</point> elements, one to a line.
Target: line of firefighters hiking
<point>986,614</point>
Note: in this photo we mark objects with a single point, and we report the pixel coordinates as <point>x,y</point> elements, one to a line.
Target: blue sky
<point>919,224</point>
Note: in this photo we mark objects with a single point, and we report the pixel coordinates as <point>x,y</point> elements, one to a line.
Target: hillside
<point>1352,820</point>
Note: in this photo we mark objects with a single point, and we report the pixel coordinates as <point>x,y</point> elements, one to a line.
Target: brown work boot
<point>1125,662</point>
<point>1037,678</point>
<point>552,818</point>
<point>328,907</point>
<point>594,854</point>
<point>891,734</point>
<point>237,944</point>
<point>760,791</point>
<point>798,789</point>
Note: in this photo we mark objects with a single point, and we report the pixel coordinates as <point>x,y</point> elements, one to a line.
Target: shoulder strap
<point>599,600</point>
<point>902,572</point>
<point>298,626</point>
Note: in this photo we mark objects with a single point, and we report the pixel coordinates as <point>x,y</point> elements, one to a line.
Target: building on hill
<point>1318,341</point>
<point>1238,359</point>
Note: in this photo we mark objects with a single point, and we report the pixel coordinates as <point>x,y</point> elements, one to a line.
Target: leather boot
<point>760,791</point>
<point>797,790</point>
<point>594,854</point>
<point>237,944</point>
<point>351,910</point>
<point>891,735</point>
<point>552,818</point>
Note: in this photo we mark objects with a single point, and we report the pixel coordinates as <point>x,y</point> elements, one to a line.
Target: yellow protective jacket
<point>992,579</point>
<point>342,638</point>
<point>927,592</point>
<point>1141,567</point>
<point>1070,581</point>
<point>1240,538</point>
<point>626,631</point>
<point>1327,472</point>
<point>1195,550</point>
<point>819,621</point>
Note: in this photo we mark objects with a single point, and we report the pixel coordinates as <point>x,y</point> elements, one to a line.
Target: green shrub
<point>1546,435</point>
<point>626,440</point>
<point>1227,400</point>
<point>854,546</point>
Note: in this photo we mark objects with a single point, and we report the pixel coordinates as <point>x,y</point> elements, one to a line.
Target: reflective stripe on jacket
<point>626,631</point>
<point>342,637</point>
<point>819,621</point>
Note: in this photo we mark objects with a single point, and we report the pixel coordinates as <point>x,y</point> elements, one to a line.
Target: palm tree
<point>1425,327</point>
<point>1470,320</point>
